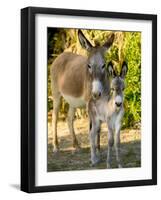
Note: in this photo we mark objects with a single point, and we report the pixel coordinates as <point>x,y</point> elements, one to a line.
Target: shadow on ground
<point>15,186</point>
<point>67,159</point>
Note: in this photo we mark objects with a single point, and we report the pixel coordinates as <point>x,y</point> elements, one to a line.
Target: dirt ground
<point>68,159</point>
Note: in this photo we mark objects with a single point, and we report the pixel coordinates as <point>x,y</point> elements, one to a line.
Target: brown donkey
<point>78,79</point>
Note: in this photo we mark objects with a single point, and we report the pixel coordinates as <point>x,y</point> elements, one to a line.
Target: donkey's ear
<point>109,42</point>
<point>124,70</point>
<point>83,41</point>
<point>111,70</point>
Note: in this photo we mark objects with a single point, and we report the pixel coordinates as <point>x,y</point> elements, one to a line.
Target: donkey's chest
<point>107,114</point>
<point>75,102</point>
<point>101,112</point>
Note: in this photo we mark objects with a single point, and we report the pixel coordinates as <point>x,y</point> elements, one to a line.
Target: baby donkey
<point>109,109</point>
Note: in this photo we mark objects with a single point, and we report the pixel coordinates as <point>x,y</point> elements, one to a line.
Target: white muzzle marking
<point>118,99</point>
<point>96,87</point>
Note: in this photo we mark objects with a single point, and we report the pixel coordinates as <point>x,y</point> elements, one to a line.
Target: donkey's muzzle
<point>96,95</point>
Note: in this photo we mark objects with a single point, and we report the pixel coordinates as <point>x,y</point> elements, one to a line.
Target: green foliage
<point>127,46</point>
<point>132,50</point>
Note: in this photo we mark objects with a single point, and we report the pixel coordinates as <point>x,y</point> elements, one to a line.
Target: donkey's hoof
<point>95,161</point>
<point>108,166</point>
<point>55,150</point>
<point>76,149</point>
<point>120,166</point>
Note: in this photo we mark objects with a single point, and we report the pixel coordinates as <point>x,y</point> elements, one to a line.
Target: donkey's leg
<point>97,137</point>
<point>95,126</point>
<point>56,105</point>
<point>98,140</point>
<point>117,147</point>
<point>110,144</point>
<point>70,125</point>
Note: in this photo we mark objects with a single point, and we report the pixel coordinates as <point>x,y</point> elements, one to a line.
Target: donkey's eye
<point>103,66</point>
<point>89,66</point>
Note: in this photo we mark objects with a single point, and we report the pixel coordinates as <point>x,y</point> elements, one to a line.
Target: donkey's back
<point>68,74</point>
<point>67,61</point>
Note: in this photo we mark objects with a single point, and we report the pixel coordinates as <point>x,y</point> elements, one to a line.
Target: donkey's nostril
<point>96,95</point>
<point>118,104</point>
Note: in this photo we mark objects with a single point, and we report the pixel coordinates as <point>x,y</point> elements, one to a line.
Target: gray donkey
<point>109,109</point>
<point>78,79</point>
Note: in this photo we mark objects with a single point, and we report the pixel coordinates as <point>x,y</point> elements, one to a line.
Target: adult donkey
<point>77,79</point>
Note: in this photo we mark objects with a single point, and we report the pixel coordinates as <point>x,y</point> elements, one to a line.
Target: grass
<point>67,159</point>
